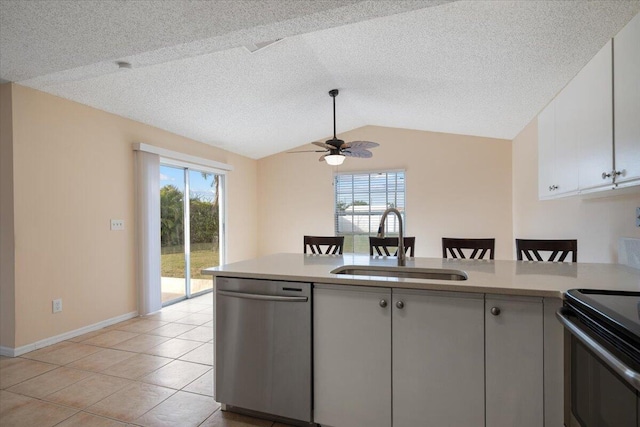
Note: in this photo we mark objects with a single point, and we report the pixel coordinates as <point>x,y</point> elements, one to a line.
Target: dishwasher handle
<point>262,297</point>
<point>630,375</point>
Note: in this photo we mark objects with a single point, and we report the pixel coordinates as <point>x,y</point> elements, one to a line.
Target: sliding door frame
<point>222,208</point>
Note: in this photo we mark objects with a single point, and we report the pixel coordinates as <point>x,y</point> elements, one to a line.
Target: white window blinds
<point>360,200</point>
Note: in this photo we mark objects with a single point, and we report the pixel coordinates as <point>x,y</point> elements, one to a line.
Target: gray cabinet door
<point>352,356</point>
<point>438,359</point>
<point>514,361</point>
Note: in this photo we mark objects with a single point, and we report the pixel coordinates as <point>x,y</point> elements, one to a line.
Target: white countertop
<point>542,279</point>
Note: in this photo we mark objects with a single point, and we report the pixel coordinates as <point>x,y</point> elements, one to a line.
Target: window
<point>360,200</point>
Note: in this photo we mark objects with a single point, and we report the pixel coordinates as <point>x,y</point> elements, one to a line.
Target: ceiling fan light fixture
<point>334,159</point>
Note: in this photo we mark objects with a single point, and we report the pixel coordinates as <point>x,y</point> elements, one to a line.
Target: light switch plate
<point>117,224</point>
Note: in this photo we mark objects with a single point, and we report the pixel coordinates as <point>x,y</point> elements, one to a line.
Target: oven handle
<point>628,374</point>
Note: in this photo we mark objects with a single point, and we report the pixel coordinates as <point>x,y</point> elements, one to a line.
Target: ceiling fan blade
<point>364,154</point>
<point>322,157</point>
<point>323,145</point>
<point>307,151</point>
<point>360,145</point>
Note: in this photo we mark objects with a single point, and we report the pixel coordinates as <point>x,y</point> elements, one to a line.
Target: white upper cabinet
<point>626,83</point>
<point>590,117</point>
<point>547,179</point>
<point>589,135</point>
<point>567,139</point>
<point>575,133</point>
<point>546,149</point>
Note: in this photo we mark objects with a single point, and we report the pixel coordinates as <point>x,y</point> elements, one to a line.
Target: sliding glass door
<point>191,237</point>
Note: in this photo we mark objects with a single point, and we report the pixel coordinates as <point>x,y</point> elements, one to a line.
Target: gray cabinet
<point>437,342</point>
<point>438,359</point>
<point>404,358</point>
<point>352,356</point>
<point>514,361</point>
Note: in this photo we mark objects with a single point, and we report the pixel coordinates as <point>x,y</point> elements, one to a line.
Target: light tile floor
<point>150,371</point>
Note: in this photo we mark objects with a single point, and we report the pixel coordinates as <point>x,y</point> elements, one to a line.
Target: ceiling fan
<point>336,149</point>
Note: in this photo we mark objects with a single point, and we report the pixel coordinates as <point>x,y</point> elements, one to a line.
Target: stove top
<point>616,311</point>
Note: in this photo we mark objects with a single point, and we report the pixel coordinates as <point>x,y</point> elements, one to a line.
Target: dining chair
<point>327,245</point>
<point>382,245</point>
<point>559,249</point>
<point>453,248</point>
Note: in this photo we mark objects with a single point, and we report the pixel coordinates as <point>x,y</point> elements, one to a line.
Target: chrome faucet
<point>402,256</point>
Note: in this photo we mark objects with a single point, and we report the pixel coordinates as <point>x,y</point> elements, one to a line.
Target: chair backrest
<point>478,247</point>
<point>382,245</point>
<point>333,244</point>
<point>559,249</point>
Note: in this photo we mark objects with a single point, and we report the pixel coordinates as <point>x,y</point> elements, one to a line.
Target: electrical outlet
<point>117,224</point>
<point>637,217</point>
<point>57,305</point>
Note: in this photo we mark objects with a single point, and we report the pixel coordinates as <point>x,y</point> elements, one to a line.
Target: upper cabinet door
<point>546,151</point>
<point>588,114</point>
<point>566,141</point>
<point>627,102</point>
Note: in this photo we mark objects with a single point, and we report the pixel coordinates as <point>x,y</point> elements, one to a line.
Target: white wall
<point>597,223</point>
<point>456,186</point>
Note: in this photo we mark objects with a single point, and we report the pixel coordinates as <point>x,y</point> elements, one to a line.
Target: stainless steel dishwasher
<point>263,346</point>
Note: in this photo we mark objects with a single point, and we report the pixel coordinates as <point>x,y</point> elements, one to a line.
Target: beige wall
<point>7,298</point>
<point>597,223</point>
<point>73,172</point>
<point>457,186</point>
<point>69,170</point>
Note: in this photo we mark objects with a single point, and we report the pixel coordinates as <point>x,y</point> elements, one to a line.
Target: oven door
<point>604,388</point>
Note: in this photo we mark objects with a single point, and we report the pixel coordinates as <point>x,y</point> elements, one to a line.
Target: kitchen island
<point>524,278</point>
<point>391,351</point>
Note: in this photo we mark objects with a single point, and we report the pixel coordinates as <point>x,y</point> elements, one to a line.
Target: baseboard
<point>14,352</point>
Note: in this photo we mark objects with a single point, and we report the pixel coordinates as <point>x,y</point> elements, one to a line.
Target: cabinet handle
<point>383,303</point>
<point>553,187</point>
<point>606,175</point>
<point>495,311</point>
<point>400,305</point>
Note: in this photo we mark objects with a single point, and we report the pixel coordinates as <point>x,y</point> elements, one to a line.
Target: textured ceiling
<point>474,67</point>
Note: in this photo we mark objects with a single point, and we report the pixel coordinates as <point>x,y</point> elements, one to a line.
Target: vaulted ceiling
<point>481,68</point>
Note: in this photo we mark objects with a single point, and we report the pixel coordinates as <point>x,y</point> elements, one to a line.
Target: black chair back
<point>560,249</point>
<point>452,248</point>
<point>327,245</point>
<point>381,245</point>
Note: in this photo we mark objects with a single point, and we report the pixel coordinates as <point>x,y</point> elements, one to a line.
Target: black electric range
<point>605,356</point>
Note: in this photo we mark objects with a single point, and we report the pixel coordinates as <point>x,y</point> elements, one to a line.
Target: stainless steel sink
<point>403,272</point>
